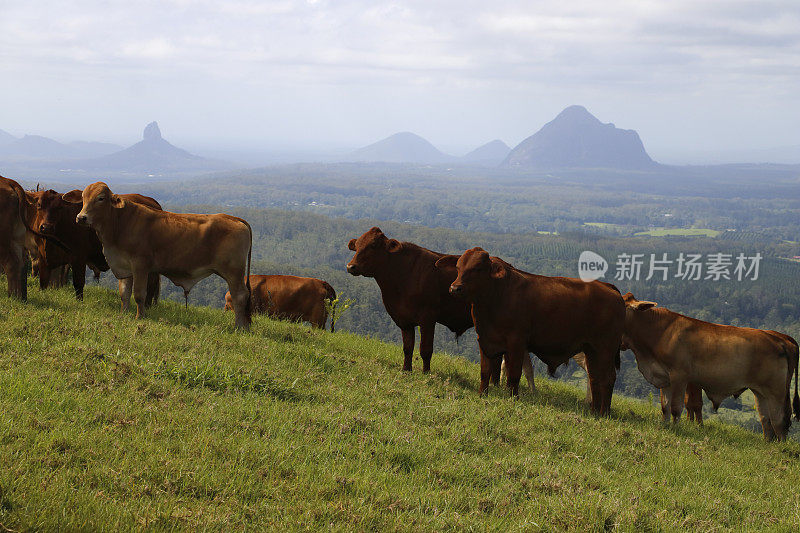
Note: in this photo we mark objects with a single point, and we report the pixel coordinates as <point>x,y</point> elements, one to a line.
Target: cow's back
<point>291,297</point>
<point>420,292</point>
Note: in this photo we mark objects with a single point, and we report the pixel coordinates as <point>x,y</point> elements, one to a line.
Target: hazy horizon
<point>317,76</point>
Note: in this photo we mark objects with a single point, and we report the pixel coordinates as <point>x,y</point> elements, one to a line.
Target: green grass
<point>684,232</point>
<point>178,422</point>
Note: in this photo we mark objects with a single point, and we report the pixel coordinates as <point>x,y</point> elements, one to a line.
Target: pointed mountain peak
<point>577,139</point>
<point>576,114</point>
<point>151,132</point>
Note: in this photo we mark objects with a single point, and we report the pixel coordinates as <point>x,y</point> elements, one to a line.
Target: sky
<point>691,76</point>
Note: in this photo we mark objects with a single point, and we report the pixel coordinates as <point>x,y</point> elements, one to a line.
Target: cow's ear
<point>116,201</point>
<point>497,270</point>
<point>73,197</point>
<point>393,245</point>
<point>643,306</point>
<point>448,261</point>
<point>352,244</point>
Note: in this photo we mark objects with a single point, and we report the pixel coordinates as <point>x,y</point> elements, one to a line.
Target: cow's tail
<point>795,358</point>
<point>248,309</point>
<point>330,294</point>
<point>22,203</point>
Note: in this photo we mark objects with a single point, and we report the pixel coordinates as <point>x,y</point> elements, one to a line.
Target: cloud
<point>468,51</point>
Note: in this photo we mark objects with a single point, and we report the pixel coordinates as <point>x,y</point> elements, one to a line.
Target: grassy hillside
<point>176,421</point>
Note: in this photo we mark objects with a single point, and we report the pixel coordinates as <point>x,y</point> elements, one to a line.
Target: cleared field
<point>685,232</point>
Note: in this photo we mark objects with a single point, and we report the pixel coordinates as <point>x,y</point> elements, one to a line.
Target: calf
<point>186,248</point>
<point>289,298</point>
<point>673,350</point>
<point>555,318</point>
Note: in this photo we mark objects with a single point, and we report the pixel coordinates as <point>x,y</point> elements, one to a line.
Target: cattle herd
<point>514,313</point>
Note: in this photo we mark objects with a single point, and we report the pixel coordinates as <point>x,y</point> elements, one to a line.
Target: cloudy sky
<point>690,75</point>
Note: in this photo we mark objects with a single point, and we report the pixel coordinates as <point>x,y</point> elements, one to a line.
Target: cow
<point>138,240</point>
<point>55,215</point>
<point>414,291</point>
<point>289,298</point>
<point>673,350</point>
<point>17,237</point>
<point>516,312</point>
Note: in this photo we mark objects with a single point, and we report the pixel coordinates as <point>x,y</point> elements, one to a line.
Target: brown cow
<point>17,238</point>
<point>673,350</point>
<point>15,211</point>
<point>55,215</point>
<point>414,291</point>
<point>289,298</point>
<point>555,318</point>
<point>186,248</point>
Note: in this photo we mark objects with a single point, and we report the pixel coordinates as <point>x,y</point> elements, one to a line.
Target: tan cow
<point>186,248</point>
<point>673,350</point>
<point>289,298</point>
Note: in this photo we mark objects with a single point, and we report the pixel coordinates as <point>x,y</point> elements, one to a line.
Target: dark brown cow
<point>55,215</point>
<point>673,350</point>
<point>555,318</point>
<point>186,248</point>
<point>289,298</point>
<point>415,293</point>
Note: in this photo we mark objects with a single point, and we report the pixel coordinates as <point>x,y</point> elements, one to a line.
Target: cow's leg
<point>527,369</point>
<point>580,358</point>
<point>408,347</point>
<point>602,374</point>
<point>44,273</point>
<point>499,369</point>
<point>125,286</point>
<point>664,396</point>
<point>514,357</point>
<point>242,305</point>
<point>762,406</point>
<point>677,398</point>
<point>153,289</point>
<point>15,272</point>
<point>426,345</point>
<point>140,290</point>
<point>694,403</point>
<point>487,366</point>
<point>78,279</point>
<point>12,275</point>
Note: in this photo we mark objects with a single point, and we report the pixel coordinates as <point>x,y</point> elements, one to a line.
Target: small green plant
<point>336,309</point>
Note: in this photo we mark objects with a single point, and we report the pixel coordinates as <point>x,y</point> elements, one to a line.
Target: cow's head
<point>373,251</point>
<point>98,203</point>
<point>634,309</point>
<point>476,272</point>
<point>52,209</point>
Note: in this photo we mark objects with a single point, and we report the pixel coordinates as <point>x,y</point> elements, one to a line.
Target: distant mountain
<point>37,147</point>
<point>492,153</point>
<point>153,154</point>
<point>576,139</point>
<point>404,147</point>
<point>95,149</point>
<point>6,138</point>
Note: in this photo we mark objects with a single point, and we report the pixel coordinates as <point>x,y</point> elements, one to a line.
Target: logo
<point>591,266</point>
